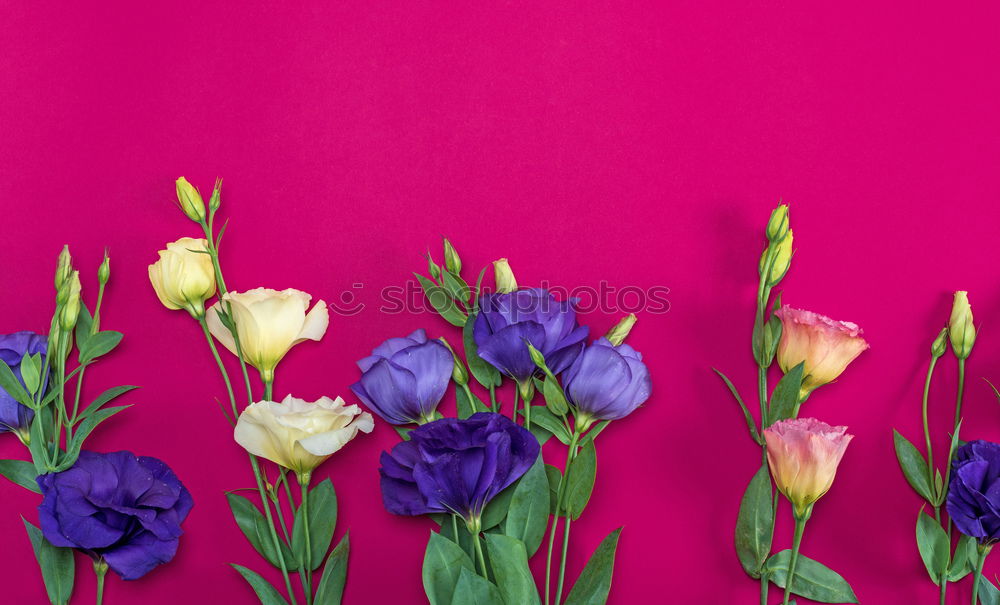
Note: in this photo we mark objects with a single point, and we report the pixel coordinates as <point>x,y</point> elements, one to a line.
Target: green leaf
<point>934,547</point>
<point>84,324</point>
<point>85,429</point>
<point>813,580</point>
<point>104,398</point>
<point>753,525</point>
<point>31,368</point>
<point>331,587</point>
<point>545,419</point>
<point>467,407</point>
<point>510,565</point>
<point>443,561</point>
<point>594,583</point>
<point>402,431</point>
<point>785,397</point>
<point>456,286</point>
<point>988,593</point>
<point>554,476</point>
<point>595,431</point>
<point>529,508</point>
<point>56,564</point>
<point>267,594</point>
<point>256,529</point>
<point>555,399</point>
<point>13,386</point>
<point>965,558</point>
<point>581,475</point>
<point>481,369</point>
<point>913,464</point>
<point>20,472</point>
<point>442,302</point>
<point>472,589</point>
<point>497,508</point>
<point>322,521</point>
<point>99,344</point>
<point>751,424</point>
<point>38,446</point>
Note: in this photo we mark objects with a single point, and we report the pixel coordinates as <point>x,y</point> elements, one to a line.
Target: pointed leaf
<point>99,344</point>
<point>965,559</point>
<point>481,369</point>
<point>85,429</point>
<point>331,588</point>
<point>594,583</point>
<point>104,398</point>
<point>913,464</point>
<point>443,561</point>
<point>510,564</point>
<point>580,480</point>
<point>472,589</point>
<point>813,580</point>
<point>442,302</point>
<point>751,424</point>
<point>56,564</point>
<point>20,472</point>
<point>753,525</point>
<point>267,594</point>
<point>497,508</point>
<point>322,522</point>
<point>529,508</point>
<point>785,397</point>
<point>934,547</point>
<point>988,593</point>
<point>13,386</point>
<point>255,527</point>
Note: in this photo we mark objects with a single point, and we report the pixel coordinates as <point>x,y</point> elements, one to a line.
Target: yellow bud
<point>71,309</point>
<point>777,226</point>
<point>452,261</point>
<point>782,252</point>
<point>63,267</point>
<point>619,333</point>
<point>504,276</point>
<point>960,326</point>
<point>190,200</point>
<point>184,278</point>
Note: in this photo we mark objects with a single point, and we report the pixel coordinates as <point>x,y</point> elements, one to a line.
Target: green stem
<point>562,559</point>
<point>268,390</point>
<point>304,506</point>
<point>479,554</point>
<point>943,592</point>
<point>927,429</point>
<point>222,368</point>
<point>764,585</point>
<point>560,492</point>
<point>516,393</point>
<point>800,526</point>
<point>983,551</point>
<point>94,327</point>
<point>955,430</point>
<point>100,570</point>
<point>494,404</point>
<point>570,457</point>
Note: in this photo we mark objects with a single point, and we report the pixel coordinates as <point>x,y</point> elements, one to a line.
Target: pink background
<point>643,146</point>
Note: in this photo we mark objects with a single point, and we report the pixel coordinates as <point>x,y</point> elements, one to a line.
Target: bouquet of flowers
<point>259,327</point>
<point>481,475</point>
<point>123,511</point>
<point>970,474</point>
<point>800,455</point>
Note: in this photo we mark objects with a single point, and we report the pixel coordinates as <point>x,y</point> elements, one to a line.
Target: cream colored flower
<point>803,455</point>
<point>269,323</point>
<point>297,434</point>
<point>184,279</point>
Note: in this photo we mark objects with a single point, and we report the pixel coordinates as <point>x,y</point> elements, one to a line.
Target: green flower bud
<point>619,333</point>
<point>433,267</point>
<point>63,267</point>
<point>216,200</point>
<point>940,343</point>
<point>782,259</point>
<point>536,356</point>
<point>452,262</point>
<point>190,200</point>
<point>71,308</point>
<point>458,372</point>
<point>960,326</point>
<point>504,276</point>
<point>777,226</point>
<point>104,271</point>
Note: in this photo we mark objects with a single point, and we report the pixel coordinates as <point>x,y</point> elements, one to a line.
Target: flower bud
<point>960,326</point>
<point>782,252</point>
<point>433,267</point>
<point>536,356</point>
<point>184,278</point>
<point>504,276</point>
<point>940,343</point>
<point>190,200</point>
<point>216,200</point>
<point>619,333</point>
<point>452,262</point>
<point>104,271</point>
<point>64,267</point>
<point>458,373</point>
<point>777,226</point>
<point>71,309</point>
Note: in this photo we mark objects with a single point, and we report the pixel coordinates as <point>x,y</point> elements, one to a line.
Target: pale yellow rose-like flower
<point>803,455</point>
<point>960,327</point>
<point>269,323</point>
<point>297,434</point>
<point>184,279</point>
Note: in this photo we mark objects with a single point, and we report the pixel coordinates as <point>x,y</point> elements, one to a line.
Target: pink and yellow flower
<point>803,454</point>
<point>826,346</point>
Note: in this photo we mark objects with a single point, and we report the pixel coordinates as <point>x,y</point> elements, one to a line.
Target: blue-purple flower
<point>456,466</point>
<point>974,491</point>
<point>505,324</point>
<point>13,347</point>
<point>125,508</point>
<point>607,382</point>
<point>404,379</point>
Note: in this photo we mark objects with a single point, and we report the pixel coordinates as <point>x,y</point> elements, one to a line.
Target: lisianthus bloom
<point>269,323</point>
<point>404,379</point>
<point>507,322</point>
<point>124,508</point>
<point>15,417</point>
<point>961,330</point>
<point>826,346</point>
<point>607,382</point>
<point>297,434</point>
<point>182,278</point>
<point>974,491</point>
<point>456,466</point>
<point>803,454</point>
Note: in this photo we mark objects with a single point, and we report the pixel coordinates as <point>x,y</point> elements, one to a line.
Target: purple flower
<point>506,322</point>
<point>456,466</point>
<point>404,379</point>
<point>125,508</point>
<point>607,382</point>
<point>974,491</point>
<point>14,416</point>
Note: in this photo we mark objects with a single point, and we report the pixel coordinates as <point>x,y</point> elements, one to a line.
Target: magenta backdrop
<point>644,146</point>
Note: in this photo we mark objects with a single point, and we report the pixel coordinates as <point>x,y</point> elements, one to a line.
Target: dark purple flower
<point>404,379</point>
<point>125,508</point>
<point>607,382</point>
<point>14,416</point>
<point>456,466</point>
<point>506,322</point>
<point>974,491</point>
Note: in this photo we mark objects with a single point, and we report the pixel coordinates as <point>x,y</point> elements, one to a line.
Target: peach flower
<point>803,454</point>
<point>826,346</point>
